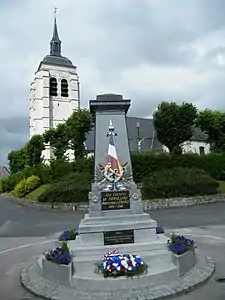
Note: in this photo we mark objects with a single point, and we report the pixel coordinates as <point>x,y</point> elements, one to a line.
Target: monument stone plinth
<point>116,219</point>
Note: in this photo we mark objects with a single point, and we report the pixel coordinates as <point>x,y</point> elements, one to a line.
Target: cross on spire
<point>55,48</point>
<point>55,11</point>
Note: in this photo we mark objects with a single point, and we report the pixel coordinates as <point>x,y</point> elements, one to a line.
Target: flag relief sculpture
<point>113,171</point>
<point>116,236</point>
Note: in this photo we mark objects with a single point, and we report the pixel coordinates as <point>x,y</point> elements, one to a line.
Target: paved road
<point>20,221</point>
<point>25,232</point>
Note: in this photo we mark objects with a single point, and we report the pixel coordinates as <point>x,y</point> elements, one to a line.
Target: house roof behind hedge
<point>4,172</point>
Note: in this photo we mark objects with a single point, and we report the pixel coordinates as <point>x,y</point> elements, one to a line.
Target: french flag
<point>112,154</point>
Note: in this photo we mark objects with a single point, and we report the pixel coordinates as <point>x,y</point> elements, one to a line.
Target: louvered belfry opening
<point>64,88</point>
<point>53,91</point>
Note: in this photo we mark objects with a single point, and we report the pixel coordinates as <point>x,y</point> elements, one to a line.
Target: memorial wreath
<point>115,264</point>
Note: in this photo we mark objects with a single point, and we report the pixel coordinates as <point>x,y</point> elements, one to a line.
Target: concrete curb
<point>40,287</point>
<point>147,204</point>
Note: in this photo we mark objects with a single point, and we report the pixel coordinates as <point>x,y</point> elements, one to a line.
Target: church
<point>54,95</point>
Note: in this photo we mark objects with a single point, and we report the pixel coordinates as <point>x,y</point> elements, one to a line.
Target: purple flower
<point>159,230</point>
<point>178,244</point>
<point>58,256</point>
<point>68,235</point>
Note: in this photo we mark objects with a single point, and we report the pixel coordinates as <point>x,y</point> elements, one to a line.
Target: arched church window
<point>53,86</point>
<point>64,88</point>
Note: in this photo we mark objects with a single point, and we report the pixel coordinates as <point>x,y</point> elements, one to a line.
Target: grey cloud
<point>13,135</point>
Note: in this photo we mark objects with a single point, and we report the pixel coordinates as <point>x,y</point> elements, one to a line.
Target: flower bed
<point>68,235</point>
<point>159,229</point>
<point>179,244</point>
<point>183,253</point>
<point>59,255</point>
<point>115,264</point>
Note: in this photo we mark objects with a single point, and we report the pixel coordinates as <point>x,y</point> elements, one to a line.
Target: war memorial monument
<point>115,224</point>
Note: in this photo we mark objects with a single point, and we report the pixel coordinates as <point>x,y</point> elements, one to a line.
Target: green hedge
<point>72,188</point>
<point>42,171</point>
<point>178,182</point>
<point>146,163</point>
<point>143,165</point>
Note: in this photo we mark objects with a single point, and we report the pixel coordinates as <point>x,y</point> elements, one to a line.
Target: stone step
<point>117,218</point>
<point>111,213</point>
<point>91,228</point>
<point>158,273</point>
<point>82,250</point>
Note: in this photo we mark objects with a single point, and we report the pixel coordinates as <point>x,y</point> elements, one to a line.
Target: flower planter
<point>58,273</point>
<point>184,261</point>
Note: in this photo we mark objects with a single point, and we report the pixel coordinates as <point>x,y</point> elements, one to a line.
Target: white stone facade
<point>198,147</point>
<point>48,111</point>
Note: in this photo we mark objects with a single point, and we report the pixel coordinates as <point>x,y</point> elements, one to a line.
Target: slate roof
<point>4,172</point>
<point>55,58</point>
<point>146,130</point>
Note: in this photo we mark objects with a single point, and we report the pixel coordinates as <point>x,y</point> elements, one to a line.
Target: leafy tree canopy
<point>78,125</point>
<point>17,160</point>
<point>34,148</point>
<point>174,124</point>
<point>58,140</point>
<point>212,123</point>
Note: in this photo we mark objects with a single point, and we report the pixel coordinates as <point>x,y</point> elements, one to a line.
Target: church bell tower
<point>54,93</point>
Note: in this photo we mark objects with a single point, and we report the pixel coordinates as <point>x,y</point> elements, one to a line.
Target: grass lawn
<point>222,187</point>
<point>36,193</point>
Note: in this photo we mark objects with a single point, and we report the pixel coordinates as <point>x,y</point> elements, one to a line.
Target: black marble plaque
<point>118,237</point>
<point>115,200</point>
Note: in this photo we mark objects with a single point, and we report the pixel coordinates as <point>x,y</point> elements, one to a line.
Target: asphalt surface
<point>21,221</point>
<point>25,232</point>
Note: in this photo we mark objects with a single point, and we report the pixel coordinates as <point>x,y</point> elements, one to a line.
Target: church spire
<point>55,44</point>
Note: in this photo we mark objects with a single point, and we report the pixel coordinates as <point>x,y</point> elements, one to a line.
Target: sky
<point>148,50</point>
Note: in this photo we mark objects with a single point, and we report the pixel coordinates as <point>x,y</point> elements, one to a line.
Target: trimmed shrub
<point>178,182</point>
<point>72,188</point>
<point>27,185</point>
<point>20,188</point>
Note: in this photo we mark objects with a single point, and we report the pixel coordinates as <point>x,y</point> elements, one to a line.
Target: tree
<point>212,123</point>
<point>58,140</point>
<point>174,124</point>
<point>34,147</point>
<point>78,126</point>
<point>17,160</point>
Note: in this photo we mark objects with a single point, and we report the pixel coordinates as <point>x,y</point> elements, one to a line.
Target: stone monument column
<point>113,186</point>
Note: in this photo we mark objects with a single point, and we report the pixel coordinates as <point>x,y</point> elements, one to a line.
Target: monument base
<point>160,282</point>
